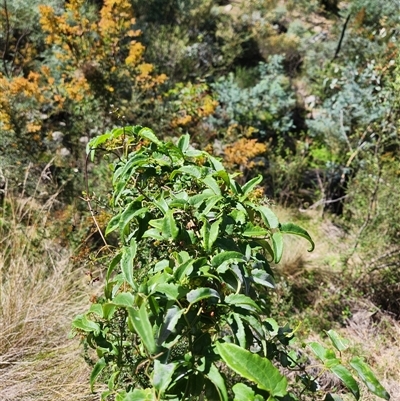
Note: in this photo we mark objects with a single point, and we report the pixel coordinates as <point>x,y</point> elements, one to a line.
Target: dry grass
<point>39,294</point>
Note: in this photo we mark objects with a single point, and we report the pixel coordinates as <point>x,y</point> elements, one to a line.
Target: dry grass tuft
<point>40,292</point>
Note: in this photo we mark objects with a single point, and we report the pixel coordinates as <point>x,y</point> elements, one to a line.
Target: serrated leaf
<point>183,142</point>
<point>128,256</point>
<point>327,356</point>
<point>262,277</point>
<point>277,244</point>
<point>153,233</point>
<point>171,319</point>
<point>242,392</point>
<point>249,186</point>
<point>113,264</point>
<point>332,397</point>
<point>194,171</point>
<point>212,184</point>
<point>216,378</point>
<point>242,301</point>
<point>254,368</point>
<point>367,376</point>
<point>218,166</point>
<point>227,256</point>
<point>137,394</point>
<point>113,224</point>
<point>339,342</point>
<point>290,228</point>
<point>348,380</point>
<point>172,291</point>
<point>214,232</point>
<point>268,216</point>
<point>149,134</point>
<point>81,322</point>
<point>124,299</point>
<point>139,318</point>
<point>211,202</point>
<point>97,369</point>
<point>162,375</point>
<point>183,270</point>
<point>253,231</point>
<point>170,230</point>
<point>128,214</point>
<point>201,293</point>
<point>240,332</point>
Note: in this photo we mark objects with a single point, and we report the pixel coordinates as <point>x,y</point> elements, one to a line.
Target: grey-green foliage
<point>376,11</point>
<point>354,99</point>
<point>267,105</point>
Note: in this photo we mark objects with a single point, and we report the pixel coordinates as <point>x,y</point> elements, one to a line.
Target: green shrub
<point>266,106</point>
<point>186,307</point>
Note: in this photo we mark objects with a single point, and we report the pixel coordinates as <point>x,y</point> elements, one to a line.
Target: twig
<point>341,37</point>
<point>87,200</point>
<point>7,41</point>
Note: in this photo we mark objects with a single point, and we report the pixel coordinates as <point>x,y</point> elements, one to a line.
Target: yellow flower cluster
<point>194,104</point>
<point>242,152</point>
<point>99,43</point>
<point>24,94</point>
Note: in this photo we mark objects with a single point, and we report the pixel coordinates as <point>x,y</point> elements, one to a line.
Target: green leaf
<point>162,375</point>
<point>242,392</point>
<point>201,293</point>
<point>240,332</point>
<point>262,277</point>
<point>113,224</point>
<point>218,166</point>
<point>140,321</point>
<point>100,365</point>
<point>211,202</point>
<point>339,342</point>
<point>216,378</point>
<point>348,380</point>
<point>254,368</point>
<point>128,256</point>
<point>184,269</point>
<point>290,228</point>
<point>242,301</point>
<point>172,291</point>
<point>249,186</point>
<point>170,230</point>
<point>268,216</point>
<point>332,397</point>
<point>277,244</point>
<point>149,134</point>
<point>129,213</point>
<point>96,309</point>
<point>124,299</point>
<point>194,171</point>
<point>183,142</point>
<point>153,233</point>
<point>227,256</point>
<point>322,353</point>
<point>214,232</point>
<point>212,184</point>
<point>170,321</point>
<point>366,375</point>
<point>113,264</point>
<point>137,395</point>
<point>253,231</point>
<point>81,322</point>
